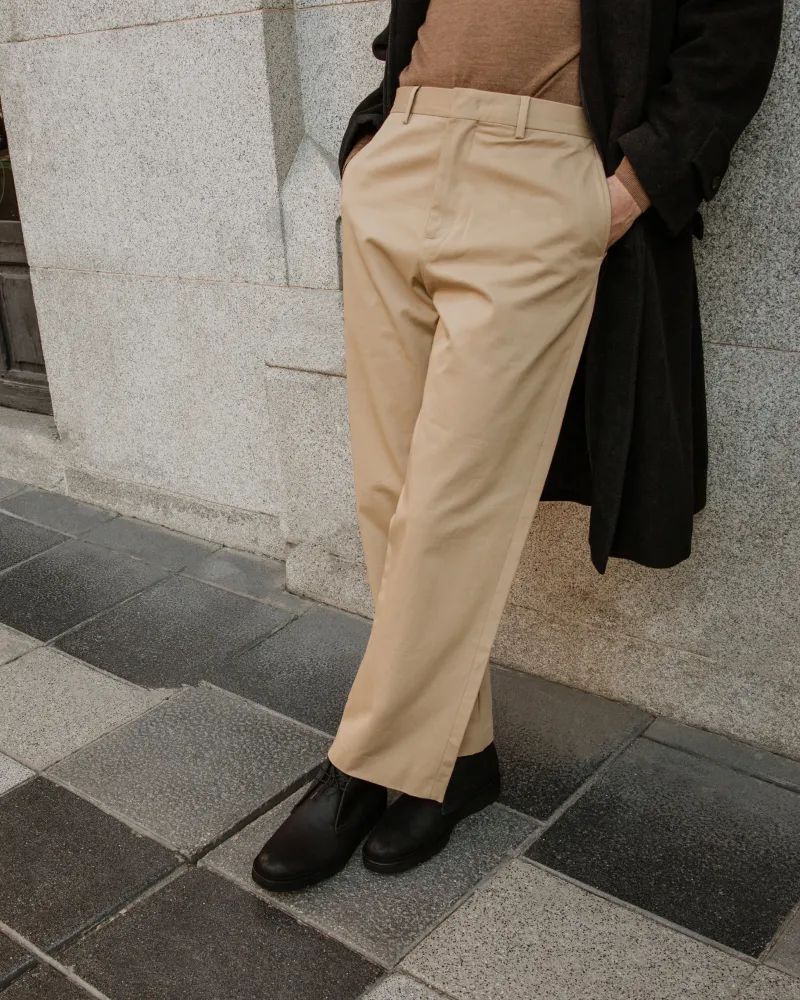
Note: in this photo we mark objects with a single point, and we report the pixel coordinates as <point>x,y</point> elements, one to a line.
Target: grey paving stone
<point>201,937</point>
<point>179,632</point>
<point>9,486</point>
<point>786,955</point>
<point>12,773</point>
<point>530,934</point>
<point>769,985</point>
<point>14,644</point>
<point>13,960</point>
<point>159,546</point>
<point>306,669</point>
<point>551,738</point>
<point>20,540</point>
<point>66,864</point>
<point>730,753</point>
<point>67,585</point>
<point>193,767</point>
<point>706,847</point>
<point>250,575</point>
<point>51,705</point>
<point>53,510</point>
<point>401,988</point>
<point>44,983</point>
<point>382,917</point>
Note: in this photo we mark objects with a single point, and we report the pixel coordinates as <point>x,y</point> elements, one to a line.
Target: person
<point>519,202</point>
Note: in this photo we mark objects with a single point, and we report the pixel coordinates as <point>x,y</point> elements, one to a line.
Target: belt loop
<point>522,117</point>
<point>410,104</point>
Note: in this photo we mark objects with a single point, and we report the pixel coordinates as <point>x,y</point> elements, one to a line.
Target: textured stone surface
<point>313,571</point>
<point>566,943</point>
<point>197,198</point>
<point>305,670</point>
<point>646,829</point>
<point>739,756</point>
<point>551,738</point>
<point>202,934</point>
<point>8,487</point>
<point>94,864</point>
<point>11,775</point>
<point>195,766</point>
<point>383,917</point>
<point>30,449</point>
<point>769,985</point>
<point>52,510</point>
<point>786,955</point>
<point>154,544</point>
<point>13,960</point>
<point>44,983</point>
<point>14,644</point>
<point>401,988</point>
<point>179,632</point>
<point>51,705</point>
<point>249,575</point>
<point>68,584</point>
<point>20,540</point>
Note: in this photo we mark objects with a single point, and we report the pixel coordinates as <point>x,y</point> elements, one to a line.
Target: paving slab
<point>730,753</point>
<point>52,705</point>
<point>12,774</point>
<point>201,937</point>
<point>528,933</point>
<point>179,632</point>
<point>708,848</point>
<point>159,546</point>
<point>195,766</point>
<point>9,486</point>
<point>54,510</point>
<point>769,985</point>
<point>67,585</point>
<point>382,916</point>
<point>786,955</point>
<point>306,669</point>
<point>20,540</point>
<point>401,988</point>
<point>13,960</point>
<point>249,575</point>
<point>66,864</point>
<point>44,983</point>
<point>551,738</point>
<point>14,644</point>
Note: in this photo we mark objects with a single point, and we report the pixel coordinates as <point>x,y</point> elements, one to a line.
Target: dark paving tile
<point>201,937</point>
<point>306,669</point>
<point>20,540</point>
<point>730,753</point>
<point>9,486</point>
<point>250,575</point>
<point>706,847</point>
<point>13,960</point>
<point>160,546</point>
<point>189,770</point>
<point>551,738</point>
<point>179,632</point>
<point>66,585</point>
<point>786,955</point>
<point>44,983</point>
<point>52,510</point>
<point>65,864</point>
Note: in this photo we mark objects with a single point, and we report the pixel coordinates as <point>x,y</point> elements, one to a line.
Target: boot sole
<point>488,795</point>
<point>301,882</point>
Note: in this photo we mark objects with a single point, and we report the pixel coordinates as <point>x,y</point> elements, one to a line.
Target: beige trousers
<point>473,229</point>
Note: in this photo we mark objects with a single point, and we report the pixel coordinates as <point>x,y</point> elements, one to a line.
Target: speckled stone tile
<point>769,985</point>
<point>9,486</point>
<point>51,705</point>
<point>44,983</point>
<point>12,773</point>
<point>401,988</point>
<point>13,960</point>
<point>786,954</point>
<point>306,669</point>
<point>53,510</point>
<point>20,540</point>
<point>66,864</point>
<point>730,753</point>
<point>67,585</point>
<point>249,575</point>
<point>706,847</point>
<point>383,916</point>
<point>551,738</point>
<point>193,767</point>
<point>14,644</point>
<point>530,934</point>
<point>201,937</point>
<point>156,545</point>
<point>179,632</point>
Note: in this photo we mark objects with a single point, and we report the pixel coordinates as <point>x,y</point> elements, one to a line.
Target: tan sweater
<point>510,46</point>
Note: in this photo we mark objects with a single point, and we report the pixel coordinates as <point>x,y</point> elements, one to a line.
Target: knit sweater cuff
<point>626,174</point>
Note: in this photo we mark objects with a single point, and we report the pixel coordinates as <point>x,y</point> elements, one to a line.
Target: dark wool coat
<point>671,84</point>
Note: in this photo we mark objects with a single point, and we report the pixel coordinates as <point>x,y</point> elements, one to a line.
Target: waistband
<point>521,112</point>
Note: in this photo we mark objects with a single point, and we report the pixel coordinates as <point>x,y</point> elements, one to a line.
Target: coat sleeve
<point>720,66</point>
<point>369,114</point>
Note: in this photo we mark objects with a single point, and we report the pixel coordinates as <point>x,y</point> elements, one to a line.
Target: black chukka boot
<point>413,829</point>
<point>319,835</point>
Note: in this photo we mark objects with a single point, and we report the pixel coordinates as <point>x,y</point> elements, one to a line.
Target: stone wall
<point>175,161</point>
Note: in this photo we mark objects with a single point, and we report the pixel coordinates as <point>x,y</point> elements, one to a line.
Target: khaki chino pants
<point>473,229</point>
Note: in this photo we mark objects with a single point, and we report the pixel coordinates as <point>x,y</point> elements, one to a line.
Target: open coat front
<point>671,84</point>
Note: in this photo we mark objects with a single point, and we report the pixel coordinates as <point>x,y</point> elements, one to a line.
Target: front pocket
<point>606,198</point>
